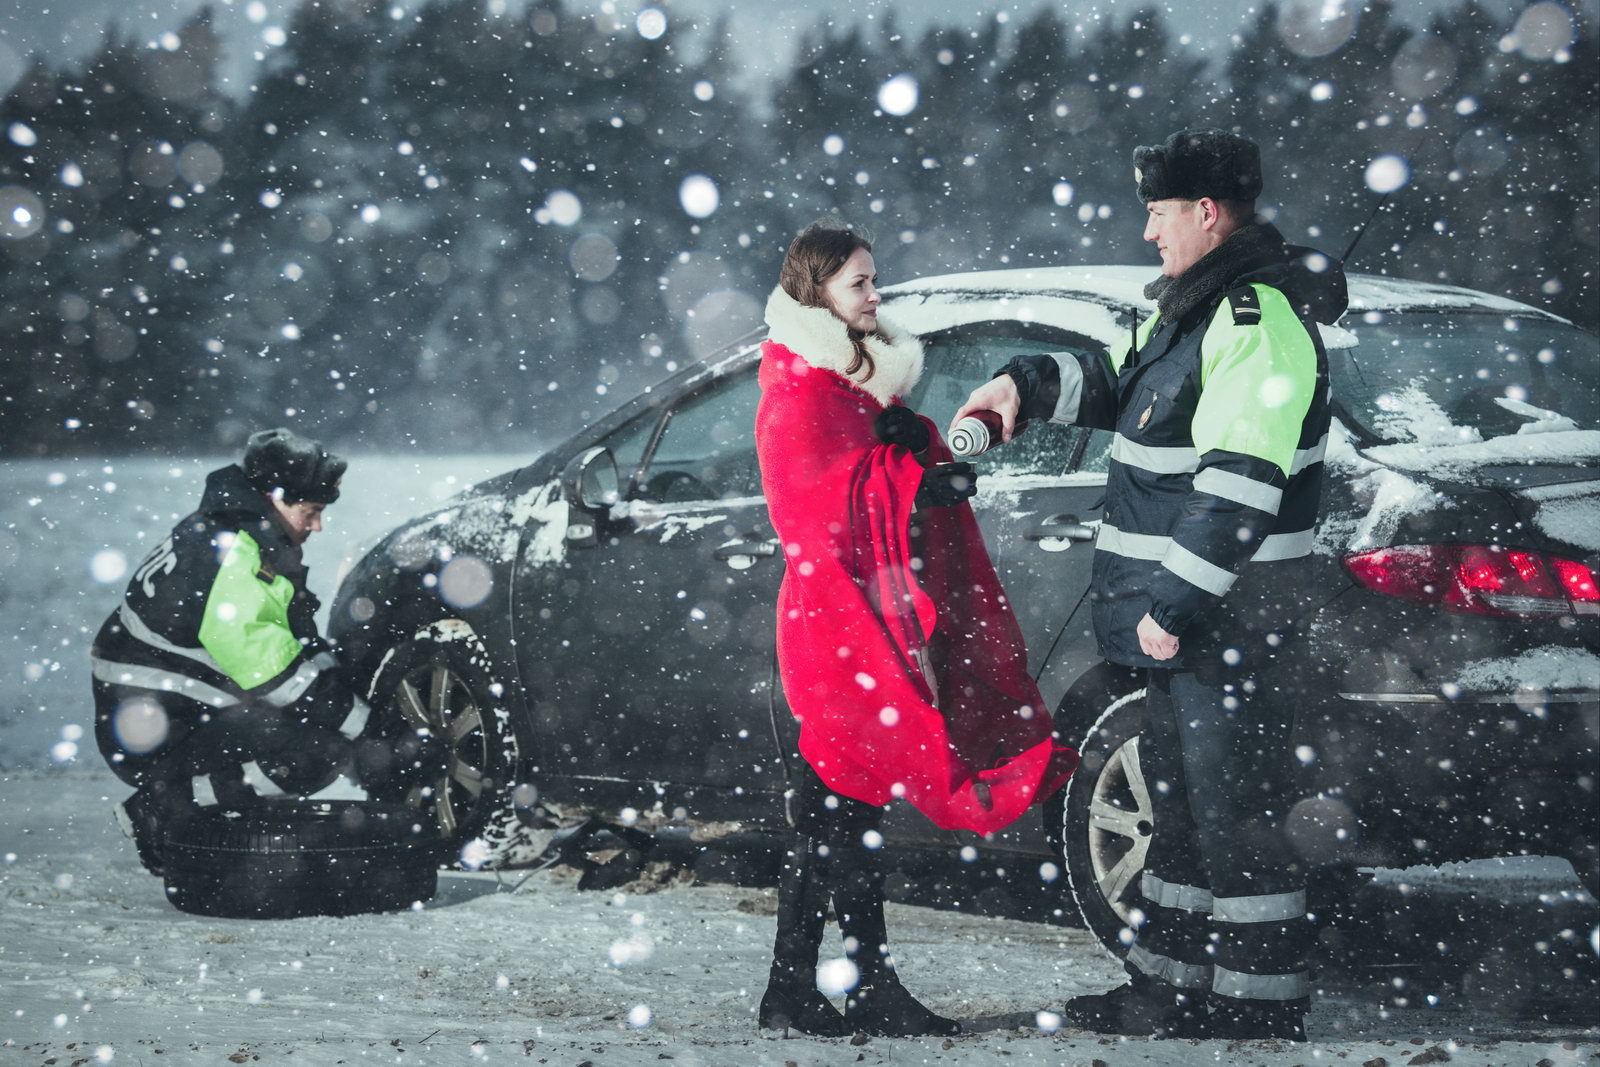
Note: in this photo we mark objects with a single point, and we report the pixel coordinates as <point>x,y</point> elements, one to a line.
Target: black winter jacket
<point>216,617</point>
<point>1220,410</point>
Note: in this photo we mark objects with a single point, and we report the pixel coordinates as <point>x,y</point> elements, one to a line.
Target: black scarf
<point>1250,247</point>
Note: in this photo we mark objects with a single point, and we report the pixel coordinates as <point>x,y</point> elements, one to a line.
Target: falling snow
<point>426,227</point>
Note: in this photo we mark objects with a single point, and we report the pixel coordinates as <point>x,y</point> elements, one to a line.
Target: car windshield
<point>1427,376</point>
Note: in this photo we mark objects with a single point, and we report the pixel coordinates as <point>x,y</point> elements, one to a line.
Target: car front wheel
<point>448,736</point>
<point>1103,820</point>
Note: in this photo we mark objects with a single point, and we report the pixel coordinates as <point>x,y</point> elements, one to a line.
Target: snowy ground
<point>96,967</point>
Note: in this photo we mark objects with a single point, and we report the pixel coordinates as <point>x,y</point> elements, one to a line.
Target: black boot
<point>1258,1020</point>
<point>1143,1007</point>
<point>879,1005</point>
<point>792,1000</point>
<point>146,815</point>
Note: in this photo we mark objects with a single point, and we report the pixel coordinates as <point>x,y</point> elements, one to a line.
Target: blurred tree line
<point>458,229</point>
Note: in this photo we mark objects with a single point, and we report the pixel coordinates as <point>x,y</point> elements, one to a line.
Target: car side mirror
<point>589,486</point>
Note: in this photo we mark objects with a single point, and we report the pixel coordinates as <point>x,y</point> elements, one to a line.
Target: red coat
<point>862,601</point>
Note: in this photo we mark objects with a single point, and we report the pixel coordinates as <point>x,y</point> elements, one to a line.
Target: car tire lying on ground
<point>286,859</point>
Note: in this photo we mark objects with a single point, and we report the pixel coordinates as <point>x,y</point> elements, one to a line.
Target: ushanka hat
<point>1198,163</point>
<point>282,463</point>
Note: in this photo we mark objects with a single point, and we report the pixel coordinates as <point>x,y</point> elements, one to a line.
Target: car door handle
<point>1061,526</point>
<point>746,550</point>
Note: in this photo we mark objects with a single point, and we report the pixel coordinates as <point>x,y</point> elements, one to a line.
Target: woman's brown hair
<point>814,257</point>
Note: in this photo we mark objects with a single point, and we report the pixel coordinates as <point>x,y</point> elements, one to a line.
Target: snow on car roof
<point>1095,300</point>
<point>1087,300</point>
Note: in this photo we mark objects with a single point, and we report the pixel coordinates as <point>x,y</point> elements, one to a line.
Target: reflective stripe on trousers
<point>1169,970</point>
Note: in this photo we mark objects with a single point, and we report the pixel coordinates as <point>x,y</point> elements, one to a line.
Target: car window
<point>628,442</point>
<point>1096,457</point>
<point>1415,377</point>
<point>958,361</point>
<point>708,449</point>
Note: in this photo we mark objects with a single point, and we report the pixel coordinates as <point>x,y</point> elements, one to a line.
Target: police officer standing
<point>1219,405</point>
<point>211,683</point>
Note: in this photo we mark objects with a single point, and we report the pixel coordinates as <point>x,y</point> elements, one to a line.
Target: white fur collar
<point>818,337</point>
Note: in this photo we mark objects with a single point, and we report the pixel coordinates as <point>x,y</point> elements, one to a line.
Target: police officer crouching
<point>212,686</point>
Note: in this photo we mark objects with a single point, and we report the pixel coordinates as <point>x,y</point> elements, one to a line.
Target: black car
<point>595,629</point>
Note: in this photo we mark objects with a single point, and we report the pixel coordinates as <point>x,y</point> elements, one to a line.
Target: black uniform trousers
<point>178,750</point>
<point>1223,889</point>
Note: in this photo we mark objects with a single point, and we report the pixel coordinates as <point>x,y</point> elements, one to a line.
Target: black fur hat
<point>281,460</point>
<point>1198,163</point>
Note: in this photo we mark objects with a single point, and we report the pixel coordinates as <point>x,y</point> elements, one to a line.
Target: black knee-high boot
<point>792,1000</point>
<point>879,1004</point>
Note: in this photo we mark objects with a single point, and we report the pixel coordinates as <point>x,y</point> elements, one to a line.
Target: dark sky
<point>765,29</point>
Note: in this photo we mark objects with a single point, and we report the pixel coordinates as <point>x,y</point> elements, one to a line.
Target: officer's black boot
<point>147,814</point>
<point>1256,1020</point>
<point>879,1004</point>
<point>792,1000</point>
<point>1144,1006</point>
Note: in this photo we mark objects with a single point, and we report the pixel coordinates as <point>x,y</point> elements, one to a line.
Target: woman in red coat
<point>898,652</point>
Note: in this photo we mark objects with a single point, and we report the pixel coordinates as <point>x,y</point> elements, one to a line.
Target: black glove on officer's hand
<point>946,484</point>
<point>899,425</point>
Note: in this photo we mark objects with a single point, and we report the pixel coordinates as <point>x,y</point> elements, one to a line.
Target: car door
<point>1038,515</point>
<point>658,657</point>
<point>1038,504</point>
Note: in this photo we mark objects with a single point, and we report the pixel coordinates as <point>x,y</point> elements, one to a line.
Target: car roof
<point>1095,299</point>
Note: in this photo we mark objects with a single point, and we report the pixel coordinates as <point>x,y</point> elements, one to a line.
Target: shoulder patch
<point>1246,306</point>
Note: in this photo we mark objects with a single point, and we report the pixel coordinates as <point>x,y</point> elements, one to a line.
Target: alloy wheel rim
<point>1121,819</point>
<point>436,699</point>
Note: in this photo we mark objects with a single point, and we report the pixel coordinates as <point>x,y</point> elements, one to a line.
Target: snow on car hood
<point>1393,482</point>
<point>1389,496</point>
<point>1480,462</point>
<point>1568,513</point>
<point>1548,461</point>
<point>486,527</point>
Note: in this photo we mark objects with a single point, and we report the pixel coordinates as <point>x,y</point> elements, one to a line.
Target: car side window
<point>1096,457</point>
<point>708,449</point>
<point>958,361</point>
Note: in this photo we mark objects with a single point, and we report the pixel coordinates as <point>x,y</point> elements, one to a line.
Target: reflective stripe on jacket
<point>210,614</point>
<point>1215,472</point>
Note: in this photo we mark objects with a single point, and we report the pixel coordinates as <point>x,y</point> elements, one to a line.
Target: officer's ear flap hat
<point>282,462</point>
<point>1198,163</point>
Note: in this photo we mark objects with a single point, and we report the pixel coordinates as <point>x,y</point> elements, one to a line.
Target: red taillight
<point>1485,579</point>
<point>1579,583</point>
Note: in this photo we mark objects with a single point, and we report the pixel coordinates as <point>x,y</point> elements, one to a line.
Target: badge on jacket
<point>1145,417</point>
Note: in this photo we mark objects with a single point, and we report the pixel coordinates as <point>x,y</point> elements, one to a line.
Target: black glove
<point>899,425</point>
<point>946,484</point>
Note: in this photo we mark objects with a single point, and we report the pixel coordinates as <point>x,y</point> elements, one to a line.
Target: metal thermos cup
<point>975,434</point>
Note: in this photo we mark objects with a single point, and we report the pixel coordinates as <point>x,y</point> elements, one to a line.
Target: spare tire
<point>285,859</point>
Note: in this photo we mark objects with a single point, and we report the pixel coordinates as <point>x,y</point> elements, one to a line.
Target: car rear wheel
<point>1102,822</point>
<point>440,711</point>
